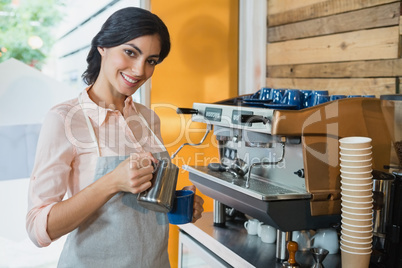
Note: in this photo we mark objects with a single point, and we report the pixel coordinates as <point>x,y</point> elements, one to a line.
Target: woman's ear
<point>101,50</point>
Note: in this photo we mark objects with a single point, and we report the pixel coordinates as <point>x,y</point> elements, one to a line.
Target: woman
<point>83,150</point>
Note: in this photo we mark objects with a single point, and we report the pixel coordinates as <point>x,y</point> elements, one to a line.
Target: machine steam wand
<point>209,128</point>
<point>191,111</point>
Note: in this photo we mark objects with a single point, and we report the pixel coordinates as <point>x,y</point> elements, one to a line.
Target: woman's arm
<point>49,217</point>
<point>129,176</point>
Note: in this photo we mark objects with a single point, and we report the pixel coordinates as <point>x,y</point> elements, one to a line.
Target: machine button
<point>300,173</point>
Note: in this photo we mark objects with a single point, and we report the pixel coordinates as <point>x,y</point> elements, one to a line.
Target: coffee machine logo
<point>325,118</point>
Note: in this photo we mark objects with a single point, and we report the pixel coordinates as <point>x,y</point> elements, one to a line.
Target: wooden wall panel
<point>344,46</point>
<point>280,6</point>
<point>378,16</point>
<point>350,46</point>
<point>314,9</point>
<point>374,68</point>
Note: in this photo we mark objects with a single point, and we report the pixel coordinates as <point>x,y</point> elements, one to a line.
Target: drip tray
<point>259,188</point>
<point>282,208</point>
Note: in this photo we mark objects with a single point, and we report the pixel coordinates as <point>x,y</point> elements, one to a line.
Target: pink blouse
<point>66,155</point>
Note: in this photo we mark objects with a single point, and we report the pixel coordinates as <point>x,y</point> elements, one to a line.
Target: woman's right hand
<point>135,173</point>
<point>132,175</point>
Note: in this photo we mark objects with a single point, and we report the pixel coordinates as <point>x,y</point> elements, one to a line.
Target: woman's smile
<point>130,81</point>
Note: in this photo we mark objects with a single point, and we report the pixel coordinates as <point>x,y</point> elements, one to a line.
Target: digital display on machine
<point>236,116</point>
<point>213,114</point>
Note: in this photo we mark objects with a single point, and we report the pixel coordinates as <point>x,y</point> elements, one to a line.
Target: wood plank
<point>359,45</point>
<point>279,6</point>
<point>320,9</point>
<point>400,25</point>
<point>379,16</point>
<point>346,86</point>
<point>374,68</point>
<point>400,37</point>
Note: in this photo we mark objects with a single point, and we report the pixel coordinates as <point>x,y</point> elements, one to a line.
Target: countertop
<point>236,247</point>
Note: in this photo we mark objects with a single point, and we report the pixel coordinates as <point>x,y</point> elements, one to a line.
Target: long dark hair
<point>124,25</point>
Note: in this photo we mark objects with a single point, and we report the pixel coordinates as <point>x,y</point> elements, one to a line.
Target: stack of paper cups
<point>357,201</point>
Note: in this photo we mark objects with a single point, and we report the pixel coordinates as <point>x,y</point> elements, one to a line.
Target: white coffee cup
<point>252,226</point>
<point>303,239</point>
<point>326,238</point>
<point>259,228</point>
<point>268,234</point>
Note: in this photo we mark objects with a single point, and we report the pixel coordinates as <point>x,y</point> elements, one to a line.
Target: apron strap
<point>156,137</point>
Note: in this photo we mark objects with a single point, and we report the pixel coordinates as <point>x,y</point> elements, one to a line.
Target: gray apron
<point>121,233</point>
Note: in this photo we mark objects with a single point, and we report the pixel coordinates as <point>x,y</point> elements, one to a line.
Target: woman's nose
<point>138,67</point>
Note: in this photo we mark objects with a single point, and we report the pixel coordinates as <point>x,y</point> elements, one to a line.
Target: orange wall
<point>201,67</point>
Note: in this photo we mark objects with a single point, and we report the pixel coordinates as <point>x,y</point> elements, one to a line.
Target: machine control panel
<point>257,119</point>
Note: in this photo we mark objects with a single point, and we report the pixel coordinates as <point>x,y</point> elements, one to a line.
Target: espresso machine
<point>282,166</point>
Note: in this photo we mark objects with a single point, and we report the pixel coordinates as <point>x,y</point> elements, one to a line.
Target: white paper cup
<point>356,157</point>
<point>367,187</point>
<point>355,166</point>
<point>348,250</point>
<point>357,204</point>
<point>353,192</point>
<point>356,245</point>
<point>357,241</point>
<point>359,163</point>
<point>356,198</point>
<point>361,234</point>
<point>354,169</point>
<point>361,151</point>
<point>355,142</point>
<point>357,216</point>
<point>357,235</point>
<point>357,186</point>
<point>357,221</point>
<point>349,209</point>
<point>357,179</point>
<point>356,175</point>
<point>354,180</point>
<point>362,239</point>
<point>356,249</point>
<point>355,260</point>
<point>359,228</point>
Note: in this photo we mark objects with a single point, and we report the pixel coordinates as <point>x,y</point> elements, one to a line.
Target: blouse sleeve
<point>50,175</point>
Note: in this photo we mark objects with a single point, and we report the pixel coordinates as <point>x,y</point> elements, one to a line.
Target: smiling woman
<point>100,149</point>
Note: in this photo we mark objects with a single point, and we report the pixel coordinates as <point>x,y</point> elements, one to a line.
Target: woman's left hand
<point>198,203</point>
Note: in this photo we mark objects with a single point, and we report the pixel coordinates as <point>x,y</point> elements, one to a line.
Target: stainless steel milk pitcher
<point>160,196</point>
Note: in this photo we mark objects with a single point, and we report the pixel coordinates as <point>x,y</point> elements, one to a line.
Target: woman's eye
<point>152,62</point>
<point>129,52</point>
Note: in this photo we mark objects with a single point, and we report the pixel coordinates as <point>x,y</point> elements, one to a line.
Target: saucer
<point>280,106</point>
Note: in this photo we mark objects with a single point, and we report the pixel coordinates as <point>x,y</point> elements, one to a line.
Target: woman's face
<point>126,67</point>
